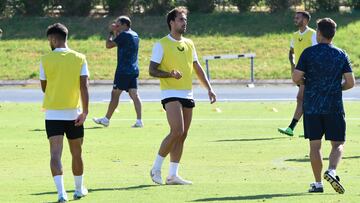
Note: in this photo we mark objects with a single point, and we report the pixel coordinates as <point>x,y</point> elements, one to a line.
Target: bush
<point>277,5</point>
<point>118,7</point>
<point>2,6</point>
<point>33,7</point>
<point>244,5</point>
<point>355,4</point>
<point>76,8</point>
<point>203,6</point>
<point>157,6</point>
<point>328,5</point>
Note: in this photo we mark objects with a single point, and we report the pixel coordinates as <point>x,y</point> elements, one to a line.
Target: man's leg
<point>175,119</point>
<point>133,93</point>
<point>316,159</point>
<point>56,146</point>
<point>115,95</point>
<point>297,114</point>
<point>177,151</point>
<point>77,166</point>
<point>335,154</point>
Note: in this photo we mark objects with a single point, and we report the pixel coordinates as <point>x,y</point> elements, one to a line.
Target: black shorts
<point>59,127</point>
<point>186,103</point>
<point>332,125</point>
<point>125,82</point>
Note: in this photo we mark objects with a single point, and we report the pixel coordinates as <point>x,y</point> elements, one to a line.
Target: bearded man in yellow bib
<point>173,60</point>
<point>303,38</point>
<point>64,80</point>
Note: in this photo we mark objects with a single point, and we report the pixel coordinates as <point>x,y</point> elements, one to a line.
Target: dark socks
<point>293,123</point>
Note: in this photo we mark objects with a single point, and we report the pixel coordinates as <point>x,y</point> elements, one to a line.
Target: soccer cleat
<point>287,131</point>
<point>177,180</point>
<point>138,125</point>
<point>156,176</point>
<point>314,189</point>
<point>62,199</point>
<point>102,121</point>
<point>334,182</point>
<point>80,194</point>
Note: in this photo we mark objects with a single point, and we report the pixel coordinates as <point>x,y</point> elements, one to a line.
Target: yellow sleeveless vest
<point>301,42</point>
<point>177,56</point>
<point>62,71</point>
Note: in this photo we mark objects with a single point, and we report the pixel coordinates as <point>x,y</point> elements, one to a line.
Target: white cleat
<point>80,194</point>
<point>102,121</point>
<point>156,176</point>
<point>138,125</point>
<point>177,180</point>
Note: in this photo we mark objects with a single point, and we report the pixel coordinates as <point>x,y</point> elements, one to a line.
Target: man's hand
<point>80,119</point>
<point>176,74</point>
<point>212,96</point>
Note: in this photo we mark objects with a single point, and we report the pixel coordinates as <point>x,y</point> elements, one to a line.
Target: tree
<point>118,7</point>
<point>2,6</point>
<point>204,6</point>
<point>244,5</point>
<point>157,6</point>
<point>277,5</point>
<point>76,8</point>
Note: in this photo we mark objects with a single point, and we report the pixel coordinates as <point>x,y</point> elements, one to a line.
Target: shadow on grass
<point>251,139</point>
<point>250,197</point>
<point>308,159</point>
<point>101,189</point>
<point>87,128</point>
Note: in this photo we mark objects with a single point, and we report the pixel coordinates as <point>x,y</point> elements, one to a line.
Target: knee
<point>177,133</point>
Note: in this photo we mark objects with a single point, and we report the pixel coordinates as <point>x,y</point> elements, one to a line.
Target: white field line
<point>221,119</point>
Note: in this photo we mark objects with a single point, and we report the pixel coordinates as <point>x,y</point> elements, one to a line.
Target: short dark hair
<point>305,14</point>
<point>173,13</point>
<point>59,30</point>
<point>124,20</point>
<point>327,27</point>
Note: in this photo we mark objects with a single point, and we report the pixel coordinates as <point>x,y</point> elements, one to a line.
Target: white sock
<point>332,172</point>
<point>158,162</point>
<point>173,169</point>
<point>318,184</point>
<point>59,183</point>
<point>78,183</point>
<point>106,119</point>
<point>138,121</point>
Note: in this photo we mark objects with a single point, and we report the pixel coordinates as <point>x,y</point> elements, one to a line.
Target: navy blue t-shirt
<point>127,51</point>
<point>324,66</point>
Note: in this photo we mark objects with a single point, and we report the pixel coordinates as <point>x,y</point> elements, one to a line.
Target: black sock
<point>293,123</point>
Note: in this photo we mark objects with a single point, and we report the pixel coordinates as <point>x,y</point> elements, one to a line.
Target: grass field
<point>267,35</point>
<point>235,155</point>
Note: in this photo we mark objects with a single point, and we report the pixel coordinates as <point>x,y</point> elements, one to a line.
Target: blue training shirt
<point>324,66</point>
<point>127,51</point>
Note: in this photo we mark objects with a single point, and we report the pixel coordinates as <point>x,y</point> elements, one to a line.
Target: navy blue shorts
<point>186,103</point>
<point>59,127</point>
<point>125,82</point>
<point>332,125</point>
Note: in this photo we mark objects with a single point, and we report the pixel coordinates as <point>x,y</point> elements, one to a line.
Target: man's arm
<point>155,72</point>
<point>298,77</point>
<point>84,100</point>
<point>204,81</point>
<point>349,81</point>
<point>43,85</point>
<point>292,59</point>
<point>110,41</point>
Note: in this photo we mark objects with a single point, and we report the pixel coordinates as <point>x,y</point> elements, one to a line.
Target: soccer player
<point>64,80</point>
<point>303,38</point>
<point>173,60</point>
<point>321,68</point>
<point>127,42</point>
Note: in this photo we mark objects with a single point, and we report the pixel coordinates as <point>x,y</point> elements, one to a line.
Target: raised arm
<point>110,40</point>
<point>204,81</point>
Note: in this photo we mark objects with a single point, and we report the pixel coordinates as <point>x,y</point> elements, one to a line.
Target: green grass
<point>231,156</point>
<point>267,35</point>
